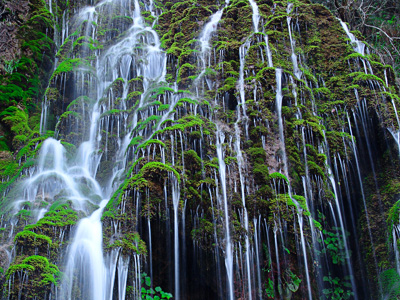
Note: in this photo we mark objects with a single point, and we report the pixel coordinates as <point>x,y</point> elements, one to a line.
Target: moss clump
<point>131,243</point>
<point>278,175</point>
<point>69,65</point>
<point>33,276</point>
<point>390,281</point>
<point>17,120</point>
<point>393,217</point>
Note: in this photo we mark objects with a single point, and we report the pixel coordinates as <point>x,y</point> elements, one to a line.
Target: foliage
<point>148,293</point>
<point>269,290</point>
<point>390,281</point>
<point>131,243</point>
<point>42,276</point>
<point>339,289</point>
<point>334,246</point>
<point>377,20</point>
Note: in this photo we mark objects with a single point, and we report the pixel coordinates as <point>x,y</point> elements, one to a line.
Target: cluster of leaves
<point>339,290</point>
<point>148,293</point>
<point>390,281</point>
<point>334,246</point>
<point>22,76</point>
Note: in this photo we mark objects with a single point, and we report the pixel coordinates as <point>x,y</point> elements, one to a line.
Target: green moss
<point>151,167</point>
<point>361,76</point>
<point>131,243</point>
<point>182,124</point>
<point>163,107</point>
<point>393,217</point>
<point>32,239</point>
<point>150,142</point>
<point>135,141</point>
<point>69,65</point>
<point>17,120</point>
<point>42,276</point>
<point>278,175</point>
<point>390,281</point>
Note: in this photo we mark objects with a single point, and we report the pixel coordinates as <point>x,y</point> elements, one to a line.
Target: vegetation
<point>204,150</point>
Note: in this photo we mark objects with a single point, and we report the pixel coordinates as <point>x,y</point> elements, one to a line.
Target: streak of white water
<point>204,38</point>
<point>279,97</point>
<point>303,248</point>
<point>395,232</point>
<point>228,245</point>
<point>207,31</point>
<point>175,201</point>
<point>296,69</point>
<point>256,242</point>
<point>123,264</point>
<point>386,79</point>
<point>85,266</point>
<point>242,58</point>
<point>268,50</point>
<point>240,162</point>
<point>358,46</point>
<point>396,133</point>
<point>86,272</point>
<point>342,229</point>
<point>256,14</point>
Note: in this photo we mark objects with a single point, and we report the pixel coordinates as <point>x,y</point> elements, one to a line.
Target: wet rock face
<point>230,151</point>
<point>12,15</point>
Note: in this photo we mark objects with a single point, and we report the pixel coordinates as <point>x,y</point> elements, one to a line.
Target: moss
<point>71,64</point>
<point>390,280</point>
<point>131,243</point>
<point>135,141</point>
<point>163,107</point>
<point>151,167</point>
<point>150,142</point>
<point>361,76</point>
<point>182,124</point>
<point>17,120</point>
<point>32,238</point>
<point>393,216</point>
<point>43,276</point>
<point>59,215</point>
<point>278,175</point>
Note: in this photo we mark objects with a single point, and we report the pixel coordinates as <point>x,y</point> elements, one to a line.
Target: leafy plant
<point>10,66</point>
<point>269,290</point>
<point>339,289</point>
<point>148,293</point>
<point>334,242</point>
<point>390,281</point>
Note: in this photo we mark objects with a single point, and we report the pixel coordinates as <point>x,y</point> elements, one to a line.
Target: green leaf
<point>148,281</point>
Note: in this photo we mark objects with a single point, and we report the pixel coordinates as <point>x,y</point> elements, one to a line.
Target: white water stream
<point>228,244</point>
<point>87,274</point>
<point>358,46</point>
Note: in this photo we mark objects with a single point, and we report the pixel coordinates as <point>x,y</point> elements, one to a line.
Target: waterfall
<point>358,46</point>
<point>256,14</point>
<point>228,247</point>
<point>201,149</point>
<point>296,69</point>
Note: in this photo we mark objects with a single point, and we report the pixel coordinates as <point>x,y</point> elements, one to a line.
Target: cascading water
<point>202,152</point>
<point>358,46</point>
<point>256,14</point>
<point>86,274</point>
<point>296,69</point>
<point>228,245</point>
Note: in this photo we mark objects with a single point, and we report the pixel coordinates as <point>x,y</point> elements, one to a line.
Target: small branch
<point>388,36</point>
